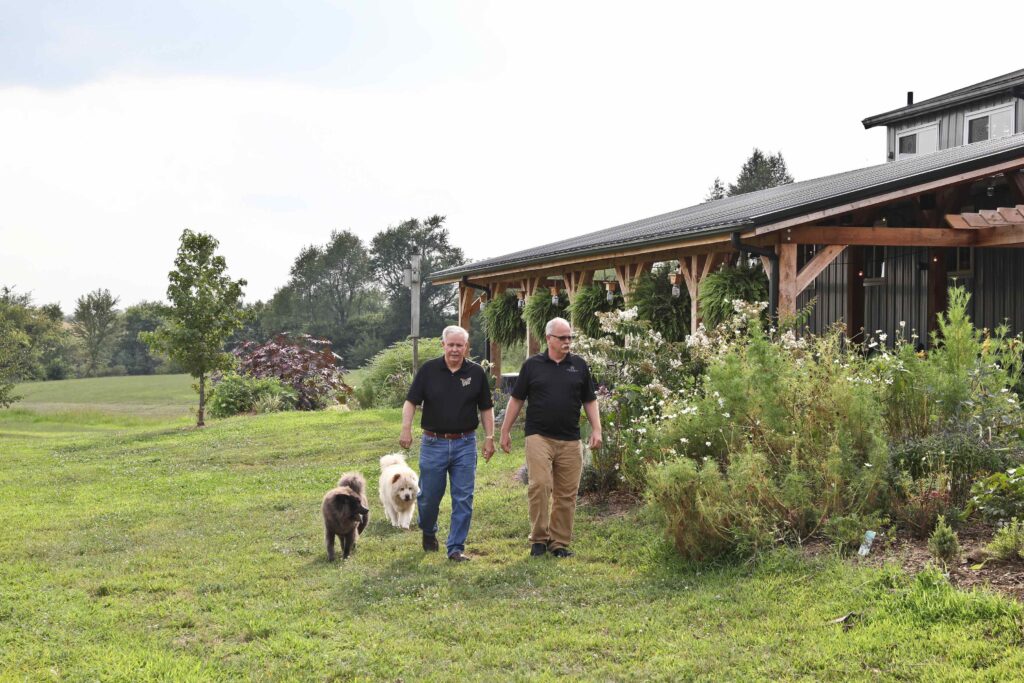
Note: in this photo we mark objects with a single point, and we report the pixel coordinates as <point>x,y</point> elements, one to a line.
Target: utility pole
<point>412,281</point>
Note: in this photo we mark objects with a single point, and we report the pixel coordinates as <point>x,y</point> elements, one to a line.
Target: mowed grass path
<point>144,550</point>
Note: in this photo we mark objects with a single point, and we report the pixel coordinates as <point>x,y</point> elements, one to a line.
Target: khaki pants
<point>554,469</point>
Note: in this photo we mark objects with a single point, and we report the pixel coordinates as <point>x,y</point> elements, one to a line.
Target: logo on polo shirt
<point>571,368</point>
<point>466,381</point>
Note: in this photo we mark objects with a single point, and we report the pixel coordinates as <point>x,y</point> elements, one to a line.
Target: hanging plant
<point>589,300</point>
<point>539,310</point>
<point>721,288</point>
<point>652,296</point>
<point>503,321</point>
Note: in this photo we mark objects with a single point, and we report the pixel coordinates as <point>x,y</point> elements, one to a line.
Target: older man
<point>452,391</point>
<point>557,384</point>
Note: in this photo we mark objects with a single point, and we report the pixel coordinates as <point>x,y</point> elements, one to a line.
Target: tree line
<point>344,291</point>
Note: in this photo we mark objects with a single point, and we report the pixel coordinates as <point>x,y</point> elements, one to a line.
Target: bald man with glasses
<point>557,384</point>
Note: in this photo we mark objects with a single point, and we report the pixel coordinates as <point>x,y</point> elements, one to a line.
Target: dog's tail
<point>354,481</point>
<point>391,459</point>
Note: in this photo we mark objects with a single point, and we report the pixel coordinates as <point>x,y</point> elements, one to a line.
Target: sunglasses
<point>562,338</point>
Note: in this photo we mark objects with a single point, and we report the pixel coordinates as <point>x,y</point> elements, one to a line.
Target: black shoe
<point>457,556</point>
<point>562,552</point>
<point>430,543</point>
<point>538,549</point>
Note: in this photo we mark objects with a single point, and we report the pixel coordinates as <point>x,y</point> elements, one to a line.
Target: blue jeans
<point>441,459</point>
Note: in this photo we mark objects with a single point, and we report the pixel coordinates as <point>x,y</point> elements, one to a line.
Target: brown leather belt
<point>447,435</point>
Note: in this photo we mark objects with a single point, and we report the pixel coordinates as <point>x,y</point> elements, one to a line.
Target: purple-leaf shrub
<point>306,364</point>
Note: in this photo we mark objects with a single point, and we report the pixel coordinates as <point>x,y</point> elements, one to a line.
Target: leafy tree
<point>760,172</point>
<point>132,353</point>
<point>205,310</point>
<point>97,324</point>
<point>13,343</point>
<point>49,348</point>
<point>392,249</point>
<point>716,191</point>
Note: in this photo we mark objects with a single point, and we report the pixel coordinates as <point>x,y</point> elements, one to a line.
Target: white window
<point>988,124</point>
<point>920,140</point>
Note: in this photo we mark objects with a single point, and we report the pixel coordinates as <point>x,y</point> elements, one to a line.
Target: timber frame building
<point>874,247</point>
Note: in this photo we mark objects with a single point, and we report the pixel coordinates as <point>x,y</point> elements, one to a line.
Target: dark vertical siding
<point>829,294</point>
<point>997,287</point>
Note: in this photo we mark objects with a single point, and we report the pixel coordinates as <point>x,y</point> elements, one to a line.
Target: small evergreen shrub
<point>234,394</point>
<point>1008,542</point>
<point>943,544</point>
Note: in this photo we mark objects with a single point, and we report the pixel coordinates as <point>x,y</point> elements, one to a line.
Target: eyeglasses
<point>562,337</point>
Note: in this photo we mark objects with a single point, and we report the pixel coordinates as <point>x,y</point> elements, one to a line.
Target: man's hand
<point>488,449</point>
<point>506,442</point>
<point>405,438</point>
<point>595,440</point>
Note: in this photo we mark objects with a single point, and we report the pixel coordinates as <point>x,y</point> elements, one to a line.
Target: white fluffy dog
<point>399,487</point>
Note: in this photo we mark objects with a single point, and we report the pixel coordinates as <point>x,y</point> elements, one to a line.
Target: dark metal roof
<point>755,209</point>
<point>1012,82</point>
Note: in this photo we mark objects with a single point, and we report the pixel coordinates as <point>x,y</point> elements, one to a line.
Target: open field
<point>137,549</point>
<point>156,396</point>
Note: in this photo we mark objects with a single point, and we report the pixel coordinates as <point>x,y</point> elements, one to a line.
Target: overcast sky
<point>270,124</point>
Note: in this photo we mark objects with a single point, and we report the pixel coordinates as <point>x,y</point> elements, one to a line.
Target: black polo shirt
<point>556,392</point>
<point>451,400</point>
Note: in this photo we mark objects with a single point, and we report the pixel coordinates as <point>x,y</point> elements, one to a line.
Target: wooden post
<point>787,280</point>
<point>496,362</point>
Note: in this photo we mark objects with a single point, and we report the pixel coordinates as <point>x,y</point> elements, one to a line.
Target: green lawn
<point>134,549</point>
<point>158,396</point>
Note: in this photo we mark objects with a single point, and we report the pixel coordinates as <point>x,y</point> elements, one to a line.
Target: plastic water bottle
<point>865,546</point>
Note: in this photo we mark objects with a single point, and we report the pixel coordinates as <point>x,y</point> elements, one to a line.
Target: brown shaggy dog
<point>346,513</point>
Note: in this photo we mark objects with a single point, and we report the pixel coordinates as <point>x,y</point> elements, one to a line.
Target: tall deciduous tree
<point>760,172</point>
<point>205,310</point>
<point>13,343</point>
<point>97,324</point>
<point>130,352</point>
<point>391,251</point>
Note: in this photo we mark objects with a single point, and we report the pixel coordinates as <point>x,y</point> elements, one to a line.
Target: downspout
<point>773,280</point>
<point>476,285</point>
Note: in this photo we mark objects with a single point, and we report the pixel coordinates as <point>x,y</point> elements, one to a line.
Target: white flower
<point>903,323</point>
<point>726,415</point>
<point>707,443</point>
<point>683,439</point>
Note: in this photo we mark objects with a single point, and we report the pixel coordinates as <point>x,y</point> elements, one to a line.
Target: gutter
<point>773,281</point>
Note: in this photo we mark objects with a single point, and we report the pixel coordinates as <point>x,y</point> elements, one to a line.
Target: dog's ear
<point>395,478</point>
<point>341,501</point>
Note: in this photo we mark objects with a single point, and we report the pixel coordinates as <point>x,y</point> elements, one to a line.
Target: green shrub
<point>539,310</point>
<point>1008,542</point>
<point>503,321</point>
<point>234,394</point>
<point>652,296</point>
<point>795,431</point>
<point>917,503</point>
<point>720,289</point>
<point>1000,496</point>
<point>943,543</point>
<point>588,302</point>
<point>389,373</point>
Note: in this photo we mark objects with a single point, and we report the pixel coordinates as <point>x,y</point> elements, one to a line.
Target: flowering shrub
<point>791,426</point>
<point>640,377</point>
